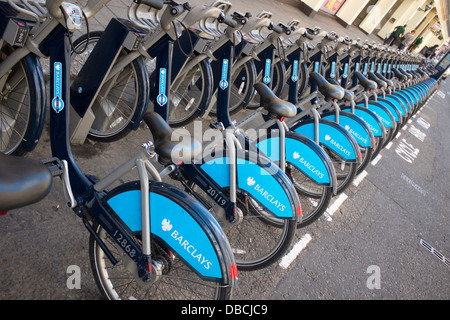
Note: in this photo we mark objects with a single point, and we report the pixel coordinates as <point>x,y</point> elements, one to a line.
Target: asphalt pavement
<point>387,237</point>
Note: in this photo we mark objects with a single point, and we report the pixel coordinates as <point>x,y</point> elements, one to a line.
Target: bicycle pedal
<point>216,125</point>
<point>55,166</point>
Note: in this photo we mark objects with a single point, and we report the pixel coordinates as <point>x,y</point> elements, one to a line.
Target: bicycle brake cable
<point>178,39</point>
<point>70,37</point>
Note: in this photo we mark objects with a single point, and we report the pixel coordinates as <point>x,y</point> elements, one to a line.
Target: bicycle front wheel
<point>117,282</point>
<point>189,94</point>
<point>120,100</point>
<point>258,239</point>
<point>20,97</point>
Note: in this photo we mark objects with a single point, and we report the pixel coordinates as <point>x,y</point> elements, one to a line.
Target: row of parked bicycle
<point>325,105</point>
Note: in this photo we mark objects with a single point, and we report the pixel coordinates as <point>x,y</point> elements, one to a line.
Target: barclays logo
<point>308,165</point>
<point>269,197</point>
<point>186,245</point>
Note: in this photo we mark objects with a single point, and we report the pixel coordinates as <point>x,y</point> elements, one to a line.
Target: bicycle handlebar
<point>156,4</point>
<point>228,21</point>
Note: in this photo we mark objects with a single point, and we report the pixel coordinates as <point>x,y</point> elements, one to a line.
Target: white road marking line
<point>295,251</point>
<point>377,158</point>
<point>336,204</point>
<point>389,145</point>
<point>360,178</point>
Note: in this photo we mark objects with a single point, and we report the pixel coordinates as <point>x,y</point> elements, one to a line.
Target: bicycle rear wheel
<point>118,282</point>
<point>314,198</point>
<point>259,239</point>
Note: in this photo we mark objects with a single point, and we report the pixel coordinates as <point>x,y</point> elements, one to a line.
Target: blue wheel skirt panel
<point>382,113</point>
<point>368,117</point>
<point>357,130</point>
<point>172,224</point>
<point>396,104</point>
<point>265,183</point>
<point>333,136</point>
<point>301,155</point>
<point>392,109</point>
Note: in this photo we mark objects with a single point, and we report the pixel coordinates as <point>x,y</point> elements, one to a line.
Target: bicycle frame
<point>85,195</point>
<point>38,36</point>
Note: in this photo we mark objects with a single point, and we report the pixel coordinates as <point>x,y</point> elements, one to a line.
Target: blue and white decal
<point>173,225</point>
<point>316,66</point>
<point>369,120</point>
<point>162,98</point>
<point>331,137</point>
<point>344,75</point>
<point>57,101</point>
<point>294,76</point>
<point>254,179</point>
<point>223,84</point>
<point>333,69</point>
<point>266,78</point>
<point>381,114</point>
<point>264,187</point>
<point>354,128</point>
<point>300,155</point>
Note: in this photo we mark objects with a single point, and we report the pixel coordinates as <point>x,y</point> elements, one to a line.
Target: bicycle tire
<point>318,200</point>
<point>124,102</point>
<point>190,96</point>
<point>22,104</point>
<point>100,264</point>
<point>254,224</point>
<point>179,279</point>
<point>345,171</point>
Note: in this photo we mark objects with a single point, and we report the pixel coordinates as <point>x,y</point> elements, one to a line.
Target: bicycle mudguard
<point>353,124</point>
<point>382,113</point>
<point>144,85</point>
<point>333,136</point>
<point>183,224</point>
<point>405,99</point>
<point>370,119</point>
<point>412,95</point>
<point>242,80</point>
<point>37,122</point>
<point>260,178</point>
<point>392,109</point>
<point>303,153</point>
<point>397,103</point>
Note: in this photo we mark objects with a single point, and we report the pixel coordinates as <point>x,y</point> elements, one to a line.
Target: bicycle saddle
<point>366,83</point>
<point>348,95</point>
<point>23,181</point>
<point>274,105</point>
<point>330,91</point>
<point>399,75</point>
<point>168,146</point>
<point>380,83</point>
<point>388,82</point>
